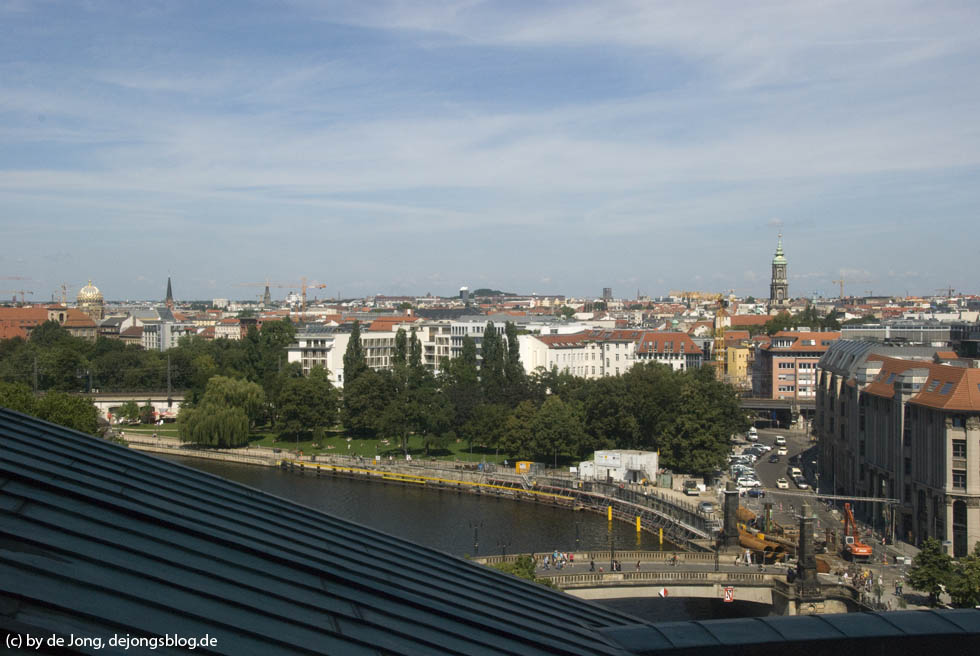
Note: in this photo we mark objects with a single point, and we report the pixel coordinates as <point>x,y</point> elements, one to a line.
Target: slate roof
<point>105,540</point>
<point>97,540</point>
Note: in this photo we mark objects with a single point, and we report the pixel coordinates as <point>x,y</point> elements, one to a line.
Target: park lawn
<point>337,443</point>
<point>167,430</point>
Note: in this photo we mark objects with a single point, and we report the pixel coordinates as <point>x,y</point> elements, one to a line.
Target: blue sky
<point>551,147</point>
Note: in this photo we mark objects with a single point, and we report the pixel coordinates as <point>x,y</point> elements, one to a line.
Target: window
<point>946,388</point>
<point>891,379</point>
<point>932,386</point>
<point>959,479</point>
<point>959,448</point>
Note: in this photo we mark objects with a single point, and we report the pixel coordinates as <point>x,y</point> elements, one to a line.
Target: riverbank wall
<point>658,511</point>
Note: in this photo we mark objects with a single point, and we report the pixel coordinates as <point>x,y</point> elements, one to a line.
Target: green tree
<point>492,365</point>
<point>365,400</point>
<point>486,425</point>
<point>931,570</point>
<point>129,411</point>
<point>565,312</point>
<point>400,355</point>
<point>515,379</point>
<point>231,392</point>
<point>964,582</point>
<point>460,381</point>
<point>557,428</point>
<point>147,413</point>
<point>355,364</point>
<point>308,403</point>
<point>518,434</point>
<point>68,410</point>
<point>213,425</point>
<point>17,397</point>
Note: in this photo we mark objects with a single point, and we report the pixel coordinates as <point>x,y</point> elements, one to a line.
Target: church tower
<point>779,287</point>
<point>170,295</point>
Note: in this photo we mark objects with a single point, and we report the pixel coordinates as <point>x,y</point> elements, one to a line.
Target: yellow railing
<point>419,480</point>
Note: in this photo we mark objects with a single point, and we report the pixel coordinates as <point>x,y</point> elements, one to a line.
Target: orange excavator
<point>854,549</point>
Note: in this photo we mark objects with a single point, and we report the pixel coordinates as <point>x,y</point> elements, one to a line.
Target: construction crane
<point>303,285</point>
<point>22,292</point>
<point>949,291</point>
<point>841,283</point>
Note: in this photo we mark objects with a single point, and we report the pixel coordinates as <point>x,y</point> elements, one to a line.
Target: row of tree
<point>486,400</point>
<point>688,416</point>
<point>52,359</point>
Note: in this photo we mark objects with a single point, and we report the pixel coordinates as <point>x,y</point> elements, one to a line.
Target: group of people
<point>558,559</point>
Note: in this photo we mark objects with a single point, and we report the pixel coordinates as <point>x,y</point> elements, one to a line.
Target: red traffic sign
<point>729,594</point>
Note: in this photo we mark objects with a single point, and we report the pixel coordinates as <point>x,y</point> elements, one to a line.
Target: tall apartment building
<point>786,367</point>
<point>319,345</point>
<point>892,423</point>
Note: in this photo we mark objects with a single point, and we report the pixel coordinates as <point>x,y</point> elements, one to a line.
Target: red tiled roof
<point>654,342</point>
<point>132,332</point>
<point>749,320</point>
<point>78,319</point>
<point>890,369</point>
<point>961,387</point>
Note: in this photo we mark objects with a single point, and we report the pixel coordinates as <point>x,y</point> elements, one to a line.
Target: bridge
<point>695,575</point>
<point>164,404</point>
<point>778,404</point>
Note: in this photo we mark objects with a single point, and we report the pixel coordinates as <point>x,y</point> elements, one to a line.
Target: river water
<point>465,524</point>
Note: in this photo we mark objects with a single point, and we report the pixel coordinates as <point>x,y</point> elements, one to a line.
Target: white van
<point>753,435</point>
<point>780,440</point>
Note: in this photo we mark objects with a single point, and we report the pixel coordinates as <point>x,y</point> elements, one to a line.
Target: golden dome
<point>89,294</point>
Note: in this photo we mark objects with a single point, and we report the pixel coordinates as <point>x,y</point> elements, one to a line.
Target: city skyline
<point>556,149</point>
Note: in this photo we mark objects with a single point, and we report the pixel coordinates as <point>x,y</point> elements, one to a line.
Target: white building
<point>620,466</point>
<point>598,353</point>
<point>228,329</point>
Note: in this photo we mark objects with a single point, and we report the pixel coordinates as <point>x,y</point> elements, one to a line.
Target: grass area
<point>337,443</point>
<point>340,444</point>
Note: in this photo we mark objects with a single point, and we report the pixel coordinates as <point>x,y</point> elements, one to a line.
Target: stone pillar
<point>807,585</point>
<point>729,532</point>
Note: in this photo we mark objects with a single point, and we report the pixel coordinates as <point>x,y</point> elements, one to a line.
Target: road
<point>786,503</point>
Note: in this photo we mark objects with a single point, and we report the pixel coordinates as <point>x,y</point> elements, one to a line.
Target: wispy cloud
<point>355,122</point>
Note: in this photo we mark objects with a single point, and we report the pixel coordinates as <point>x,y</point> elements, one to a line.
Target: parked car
<point>707,507</point>
<point>780,440</point>
<point>765,448</point>
<point>749,482</point>
<point>782,483</point>
<point>753,434</point>
<point>774,458</point>
<point>757,492</point>
<point>801,482</point>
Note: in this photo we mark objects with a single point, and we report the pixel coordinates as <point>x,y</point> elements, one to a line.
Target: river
<point>465,524</point>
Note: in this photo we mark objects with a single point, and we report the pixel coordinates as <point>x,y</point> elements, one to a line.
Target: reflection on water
<point>445,520</point>
<point>453,521</point>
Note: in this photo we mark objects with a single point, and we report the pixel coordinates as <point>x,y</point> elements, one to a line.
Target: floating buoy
<point>663,593</point>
